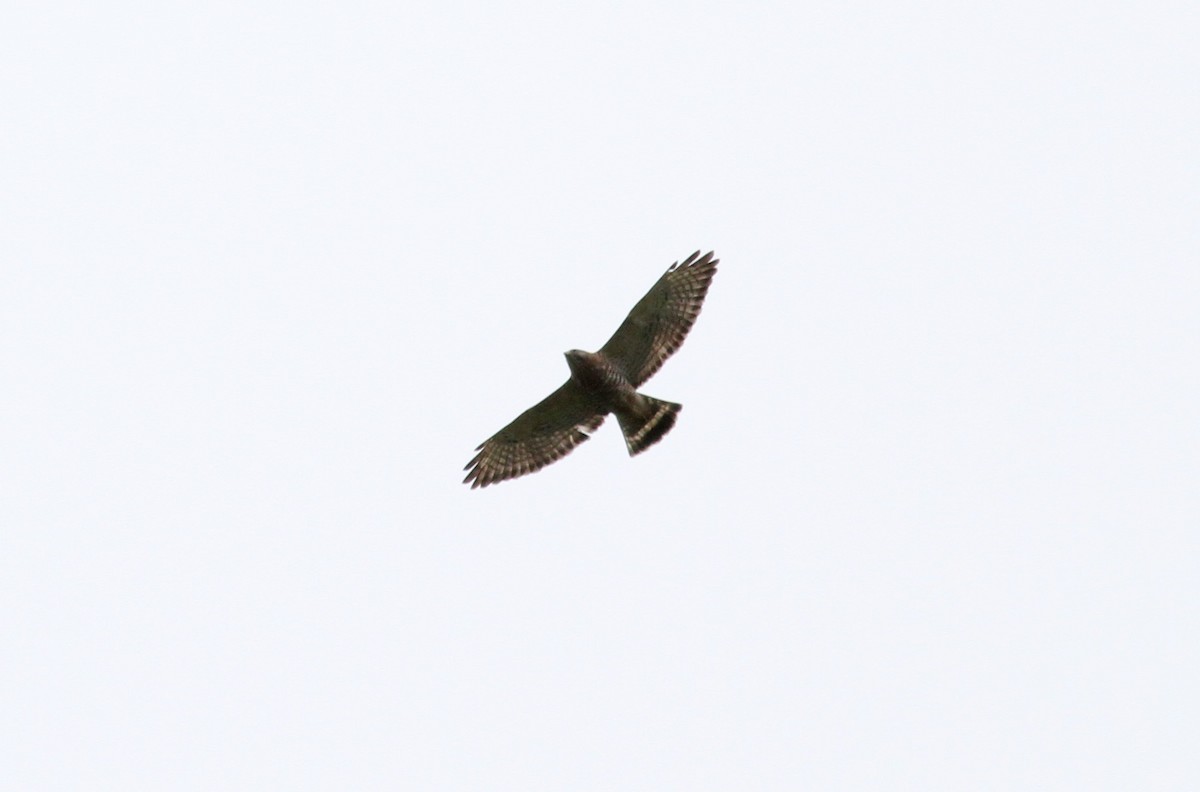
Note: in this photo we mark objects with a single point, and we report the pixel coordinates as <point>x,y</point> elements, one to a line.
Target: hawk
<point>605,382</point>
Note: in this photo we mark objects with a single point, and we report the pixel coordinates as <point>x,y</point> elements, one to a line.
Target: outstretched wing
<point>546,432</point>
<point>660,321</point>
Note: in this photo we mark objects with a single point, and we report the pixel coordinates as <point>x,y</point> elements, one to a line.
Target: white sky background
<point>929,519</point>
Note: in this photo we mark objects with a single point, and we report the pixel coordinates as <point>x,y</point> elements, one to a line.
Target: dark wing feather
<point>660,321</point>
<point>544,433</point>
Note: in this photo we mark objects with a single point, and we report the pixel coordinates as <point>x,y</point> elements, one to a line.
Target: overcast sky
<point>929,519</point>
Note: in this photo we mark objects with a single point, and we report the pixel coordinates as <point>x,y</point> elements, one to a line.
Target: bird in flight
<point>605,382</point>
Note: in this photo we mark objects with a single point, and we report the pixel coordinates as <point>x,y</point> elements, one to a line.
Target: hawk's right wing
<point>660,321</point>
<point>545,433</point>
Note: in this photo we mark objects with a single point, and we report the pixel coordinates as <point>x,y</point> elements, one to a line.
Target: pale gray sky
<point>929,519</point>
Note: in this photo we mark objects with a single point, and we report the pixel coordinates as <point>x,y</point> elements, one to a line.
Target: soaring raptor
<point>605,382</point>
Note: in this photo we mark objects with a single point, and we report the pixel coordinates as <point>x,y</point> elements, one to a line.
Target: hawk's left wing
<point>660,321</point>
<point>544,433</point>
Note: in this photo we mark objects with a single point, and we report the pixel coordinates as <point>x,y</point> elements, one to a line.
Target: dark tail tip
<point>654,428</point>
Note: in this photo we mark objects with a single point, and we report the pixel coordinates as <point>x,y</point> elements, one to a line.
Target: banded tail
<point>647,423</point>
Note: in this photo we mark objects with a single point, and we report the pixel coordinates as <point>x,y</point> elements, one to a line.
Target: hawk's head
<point>577,359</point>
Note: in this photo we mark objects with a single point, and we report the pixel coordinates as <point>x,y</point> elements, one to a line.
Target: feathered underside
<point>651,333</point>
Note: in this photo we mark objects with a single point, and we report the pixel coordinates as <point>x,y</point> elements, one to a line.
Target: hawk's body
<point>605,382</point>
